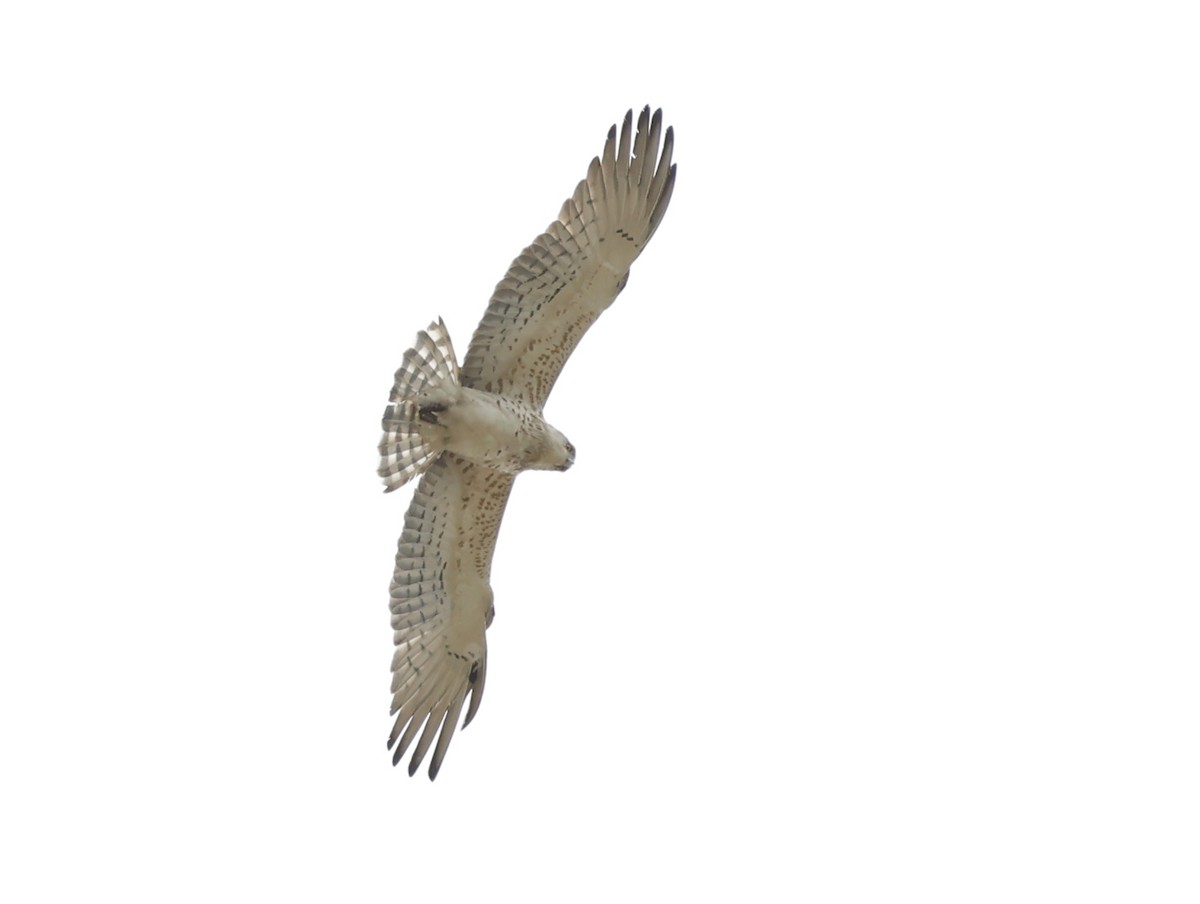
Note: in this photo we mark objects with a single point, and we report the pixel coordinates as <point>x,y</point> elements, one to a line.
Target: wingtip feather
<point>626,138</point>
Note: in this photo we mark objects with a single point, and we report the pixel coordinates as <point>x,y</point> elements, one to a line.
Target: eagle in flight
<point>471,430</point>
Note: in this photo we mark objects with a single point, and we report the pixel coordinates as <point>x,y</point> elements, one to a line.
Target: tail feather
<point>426,382</point>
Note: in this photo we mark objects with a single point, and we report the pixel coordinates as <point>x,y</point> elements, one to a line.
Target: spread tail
<point>426,384</point>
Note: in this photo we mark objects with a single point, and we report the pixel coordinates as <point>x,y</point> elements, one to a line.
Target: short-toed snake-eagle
<point>471,431</point>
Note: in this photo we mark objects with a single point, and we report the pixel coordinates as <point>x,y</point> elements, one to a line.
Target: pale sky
<point>876,575</point>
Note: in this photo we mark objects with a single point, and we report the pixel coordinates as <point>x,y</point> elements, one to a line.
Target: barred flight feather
<point>428,371</point>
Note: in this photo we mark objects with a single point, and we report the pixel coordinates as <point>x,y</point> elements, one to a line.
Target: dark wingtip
<point>412,767</point>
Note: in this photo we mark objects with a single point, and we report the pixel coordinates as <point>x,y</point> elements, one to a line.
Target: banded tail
<point>426,383</point>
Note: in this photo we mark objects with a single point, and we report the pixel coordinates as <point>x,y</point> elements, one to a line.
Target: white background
<point>876,577</point>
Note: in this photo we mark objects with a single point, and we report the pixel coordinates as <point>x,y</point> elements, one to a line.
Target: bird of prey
<point>469,431</point>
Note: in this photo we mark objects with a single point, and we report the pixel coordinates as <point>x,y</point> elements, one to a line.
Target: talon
<point>429,413</point>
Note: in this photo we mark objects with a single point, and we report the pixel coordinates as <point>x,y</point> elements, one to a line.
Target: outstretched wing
<point>562,282</point>
<point>442,603</point>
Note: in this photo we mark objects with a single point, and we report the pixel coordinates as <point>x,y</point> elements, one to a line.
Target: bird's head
<point>555,452</point>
